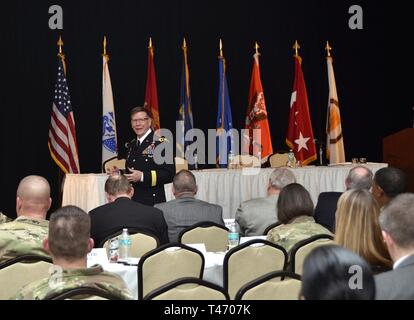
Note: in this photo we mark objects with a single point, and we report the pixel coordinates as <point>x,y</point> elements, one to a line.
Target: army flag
<point>62,133</point>
<point>300,134</point>
<point>224,134</point>
<point>109,140</point>
<point>151,97</point>
<point>185,115</point>
<point>334,140</point>
<point>256,118</point>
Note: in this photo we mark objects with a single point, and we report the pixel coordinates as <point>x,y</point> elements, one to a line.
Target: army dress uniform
<point>141,157</point>
<point>301,228</point>
<point>62,280</point>
<point>24,235</point>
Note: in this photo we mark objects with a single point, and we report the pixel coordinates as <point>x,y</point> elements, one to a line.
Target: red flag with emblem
<point>300,134</point>
<point>256,118</point>
<point>151,97</point>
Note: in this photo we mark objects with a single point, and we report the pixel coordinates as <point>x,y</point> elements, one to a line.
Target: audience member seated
<point>4,218</point>
<point>358,230</point>
<point>295,212</point>
<point>253,216</point>
<point>397,224</point>
<point>25,234</point>
<point>185,210</point>
<point>122,212</point>
<point>334,273</point>
<point>359,177</point>
<point>69,243</point>
<point>388,183</point>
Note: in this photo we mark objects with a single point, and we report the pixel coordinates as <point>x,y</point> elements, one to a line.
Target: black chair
<point>270,227</point>
<point>270,287</point>
<point>213,235</point>
<point>188,288</point>
<point>301,249</point>
<point>82,293</point>
<point>166,263</point>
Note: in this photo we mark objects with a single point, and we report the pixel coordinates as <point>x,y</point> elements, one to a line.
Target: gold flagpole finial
<point>150,43</point>
<point>184,44</point>
<point>60,44</point>
<point>221,48</point>
<point>104,46</point>
<point>296,47</point>
<point>256,47</point>
<point>328,48</point>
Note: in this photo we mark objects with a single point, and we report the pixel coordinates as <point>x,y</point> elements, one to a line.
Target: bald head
<point>33,197</point>
<point>359,177</point>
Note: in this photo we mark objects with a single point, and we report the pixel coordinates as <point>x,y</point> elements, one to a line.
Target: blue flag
<point>185,114</point>
<point>224,138</point>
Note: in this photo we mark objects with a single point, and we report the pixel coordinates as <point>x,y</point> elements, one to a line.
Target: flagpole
<point>296,47</point>
<point>328,48</point>
<point>60,53</point>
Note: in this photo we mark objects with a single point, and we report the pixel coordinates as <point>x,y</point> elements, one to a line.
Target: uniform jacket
<point>140,157</point>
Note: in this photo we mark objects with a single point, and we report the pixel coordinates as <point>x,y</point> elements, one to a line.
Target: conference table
<point>225,187</point>
<point>213,270</point>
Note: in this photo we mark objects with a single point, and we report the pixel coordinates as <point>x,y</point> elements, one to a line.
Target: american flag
<point>62,135</point>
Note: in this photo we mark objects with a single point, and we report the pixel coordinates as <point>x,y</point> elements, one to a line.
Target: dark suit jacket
<point>186,211</point>
<point>125,213</point>
<point>325,209</point>
<point>397,284</point>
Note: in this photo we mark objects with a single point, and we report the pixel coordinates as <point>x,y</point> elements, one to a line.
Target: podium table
<point>224,187</point>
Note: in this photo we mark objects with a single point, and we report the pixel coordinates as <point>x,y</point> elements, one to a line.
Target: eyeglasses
<point>140,120</point>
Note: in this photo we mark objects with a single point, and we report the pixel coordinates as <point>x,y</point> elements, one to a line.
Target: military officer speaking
<point>147,176</point>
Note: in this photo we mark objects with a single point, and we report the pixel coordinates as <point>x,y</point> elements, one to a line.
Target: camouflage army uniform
<point>301,228</point>
<point>22,236</point>
<point>61,280</point>
<point>4,218</point>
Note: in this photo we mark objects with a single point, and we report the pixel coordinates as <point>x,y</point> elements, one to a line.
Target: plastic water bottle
<point>230,159</point>
<point>233,236</point>
<point>124,244</point>
<point>291,159</point>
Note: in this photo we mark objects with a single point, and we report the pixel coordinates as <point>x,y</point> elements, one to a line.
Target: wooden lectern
<point>398,152</point>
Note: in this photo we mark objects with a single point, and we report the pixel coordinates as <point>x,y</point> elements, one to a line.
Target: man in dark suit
<point>397,224</point>
<point>122,212</point>
<point>359,177</point>
<point>147,173</point>
<point>388,183</point>
<point>185,210</point>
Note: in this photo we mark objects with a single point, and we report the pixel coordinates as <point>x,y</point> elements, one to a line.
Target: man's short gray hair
<point>359,177</point>
<point>281,177</point>
<point>184,181</point>
<point>397,219</point>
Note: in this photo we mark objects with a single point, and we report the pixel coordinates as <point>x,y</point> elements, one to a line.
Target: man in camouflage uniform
<point>4,218</point>
<point>69,242</point>
<point>26,234</point>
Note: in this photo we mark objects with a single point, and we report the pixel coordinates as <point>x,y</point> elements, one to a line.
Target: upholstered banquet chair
<point>20,271</point>
<point>167,263</point>
<point>278,285</point>
<point>249,261</point>
<point>141,241</point>
<point>188,289</point>
<point>213,235</point>
<point>301,249</point>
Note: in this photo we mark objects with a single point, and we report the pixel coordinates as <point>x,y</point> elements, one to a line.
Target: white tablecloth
<point>227,188</point>
<point>213,271</point>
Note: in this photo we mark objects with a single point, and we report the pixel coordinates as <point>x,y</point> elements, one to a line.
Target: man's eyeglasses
<point>140,120</point>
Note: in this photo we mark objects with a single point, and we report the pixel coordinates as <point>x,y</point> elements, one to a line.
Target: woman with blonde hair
<point>357,228</point>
